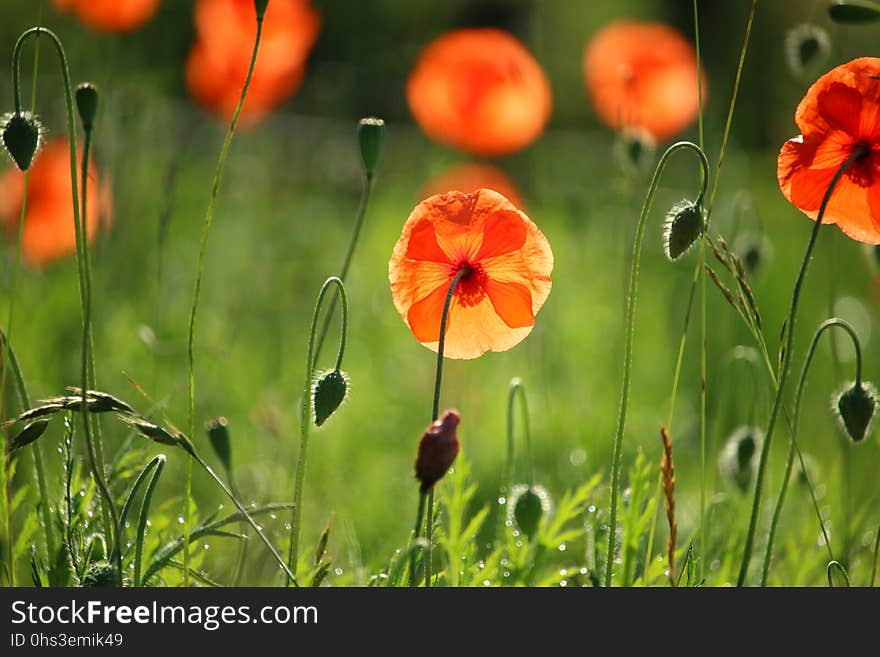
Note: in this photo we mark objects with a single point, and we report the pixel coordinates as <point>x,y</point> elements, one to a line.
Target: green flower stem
<point>188,447</point>
<point>107,508</point>
<point>824,326</point>
<point>630,330</point>
<point>346,263</point>
<point>429,530</point>
<point>786,362</point>
<point>420,516</point>
<point>206,227</point>
<point>517,386</point>
<point>305,412</point>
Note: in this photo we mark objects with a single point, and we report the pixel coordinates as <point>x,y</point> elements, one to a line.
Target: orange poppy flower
<point>508,260</point>
<point>110,15</point>
<point>479,90</point>
<point>471,176</point>
<point>49,232</point>
<point>839,114</point>
<point>643,75</point>
<point>218,62</point>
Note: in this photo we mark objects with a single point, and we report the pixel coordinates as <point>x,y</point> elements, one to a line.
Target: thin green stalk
<point>107,509</point>
<point>630,330</point>
<point>305,410</point>
<point>859,152</point>
<point>876,556</point>
<point>516,386</point>
<point>417,530</point>
<point>206,227</point>
<point>824,326</point>
<point>346,263</point>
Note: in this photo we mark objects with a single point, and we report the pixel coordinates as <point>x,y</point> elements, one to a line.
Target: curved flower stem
<point>630,330</point>
<point>435,412</point>
<point>206,227</point>
<point>827,324</point>
<point>305,412</point>
<point>517,386</point>
<point>857,153</point>
<point>346,263</point>
<point>95,455</point>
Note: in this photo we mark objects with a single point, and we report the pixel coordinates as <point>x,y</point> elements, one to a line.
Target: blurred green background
<point>286,207</point>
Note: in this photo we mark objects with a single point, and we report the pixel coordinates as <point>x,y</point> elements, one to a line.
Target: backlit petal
<point>512,302</point>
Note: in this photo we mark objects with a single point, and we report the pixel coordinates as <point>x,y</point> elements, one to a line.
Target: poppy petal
<point>840,106</point>
<point>424,316</point>
<point>512,302</point>
<point>503,232</point>
<point>423,244</point>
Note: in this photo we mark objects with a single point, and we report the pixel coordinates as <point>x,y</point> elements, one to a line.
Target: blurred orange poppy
<point>508,263</point>
<point>110,15</point>
<point>49,232</point>
<point>643,75</point>
<point>839,116</point>
<point>218,62</point>
<point>479,90</point>
<point>471,176</point>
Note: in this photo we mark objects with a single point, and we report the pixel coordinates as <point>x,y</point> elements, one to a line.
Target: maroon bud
<point>437,449</point>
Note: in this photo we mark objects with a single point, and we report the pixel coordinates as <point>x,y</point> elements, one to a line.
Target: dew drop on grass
<point>563,583</point>
<point>591,508</point>
<point>90,514</point>
<point>486,582</point>
<point>577,457</point>
<point>287,526</point>
<point>583,571</point>
<point>180,519</point>
<point>206,546</point>
<point>562,547</point>
<point>563,572</point>
<point>502,500</point>
<point>338,571</point>
<point>481,565</point>
<point>149,523</point>
<point>274,516</point>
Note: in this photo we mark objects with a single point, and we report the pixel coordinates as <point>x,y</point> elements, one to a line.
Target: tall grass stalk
<point>206,227</point>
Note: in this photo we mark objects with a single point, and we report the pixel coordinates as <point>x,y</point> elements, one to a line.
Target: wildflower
<point>643,75</point>
<point>437,449</point>
<point>218,61</point>
<point>49,232</point>
<point>481,91</point>
<point>110,15</point>
<point>469,177</point>
<point>506,263</point>
<point>839,118</point>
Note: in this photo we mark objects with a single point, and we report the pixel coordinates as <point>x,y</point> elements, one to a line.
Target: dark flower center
<point>861,171</point>
<point>470,290</point>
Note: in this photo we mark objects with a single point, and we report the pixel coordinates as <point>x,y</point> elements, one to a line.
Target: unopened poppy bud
<point>806,49</point>
<point>528,504</point>
<point>101,574</point>
<point>754,251</point>
<point>261,8</point>
<point>437,449</point>
<point>87,104</point>
<point>854,11</point>
<point>21,136</point>
<point>328,393</point>
<point>632,146</point>
<point>218,434</point>
<point>684,225</point>
<point>371,136</point>
<point>855,407</point>
<point>737,460</point>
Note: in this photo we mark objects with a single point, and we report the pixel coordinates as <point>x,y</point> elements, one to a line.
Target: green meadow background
<point>291,188</point>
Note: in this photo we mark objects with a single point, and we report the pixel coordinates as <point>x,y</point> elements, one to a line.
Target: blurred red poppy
<point>839,118</point>
<point>110,15</point>
<point>469,177</point>
<point>508,263</point>
<point>49,232</point>
<point>643,75</point>
<point>479,90</point>
<point>218,61</point>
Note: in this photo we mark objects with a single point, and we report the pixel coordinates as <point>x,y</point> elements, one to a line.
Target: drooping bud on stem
<point>328,393</point>
<point>218,434</point>
<point>22,134</point>
<point>807,46</point>
<point>437,449</point>
<point>683,227</point>
<point>855,408</point>
<point>854,11</point>
<point>87,104</point>
<point>528,504</point>
<point>737,461</point>
<point>371,137</point>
